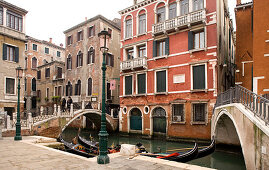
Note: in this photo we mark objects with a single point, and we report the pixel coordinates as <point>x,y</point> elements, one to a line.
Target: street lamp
<point>102,157</point>
<point>18,124</point>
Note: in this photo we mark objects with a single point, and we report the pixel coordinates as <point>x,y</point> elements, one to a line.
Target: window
<point>109,31</point>
<point>91,31</point>
<point>69,40</point>
<point>110,60</point>
<point>34,63</point>
<point>108,91</point>
<point>58,54</point>
<point>80,36</point>
<point>161,48</point>
<point>34,47</point>
<point>60,91</point>
<point>55,91</point>
<point>91,56</point>
<point>10,53</point>
<point>199,81</point>
<point>141,83</point>
<point>89,86</point>
<point>199,112</point>
<point>14,21</point>
<point>198,4</point>
<point>128,28</point>
<point>10,86</point>
<point>128,85</point>
<point>184,7</point>
<point>172,10</point>
<point>142,24</point>
<point>46,50</point>
<point>38,94</point>
<point>26,47</point>
<point>47,92</point>
<point>25,62</point>
<point>47,73</point>
<point>1,15</point>
<point>78,88</point>
<point>130,54</point>
<point>69,89</point>
<point>178,113</point>
<point>59,72</point>
<point>69,62</point>
<point>25,84</point>
<point>33,84</point>
<point>79,59</point>
<point>161,81</point>
<point>196,40</point>
<point>38,76</point>
<point>160,14</point>
<point>142,51</point>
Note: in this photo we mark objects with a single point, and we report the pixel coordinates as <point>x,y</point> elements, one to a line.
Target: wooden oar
<point>185,148</point>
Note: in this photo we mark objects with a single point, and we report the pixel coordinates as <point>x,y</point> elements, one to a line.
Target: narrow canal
<point>220,159</point>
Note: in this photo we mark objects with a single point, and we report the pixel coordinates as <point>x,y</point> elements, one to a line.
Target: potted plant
<point>56,99</point>
<point>38,99</point>
<point>46,99</point>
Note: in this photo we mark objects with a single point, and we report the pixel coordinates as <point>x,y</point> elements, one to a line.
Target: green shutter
<point>4,52</point>
<point>199,77</point>
<point>161,81</point>
<point>190,40</point>
<point>128,85</point>
<point>154,48</point>
<point>141,83</point>
<point>17,54</point>
<point>167,46</point>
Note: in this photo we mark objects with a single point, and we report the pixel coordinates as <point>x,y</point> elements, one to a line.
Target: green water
<point>219,159</point>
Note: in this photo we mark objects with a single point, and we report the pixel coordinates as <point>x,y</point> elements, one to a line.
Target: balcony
<point>135,63</point>
<point>179,22</point>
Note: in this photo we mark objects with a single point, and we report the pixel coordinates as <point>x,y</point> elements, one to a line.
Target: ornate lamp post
<point>18,124</point>
<point>103,158</point>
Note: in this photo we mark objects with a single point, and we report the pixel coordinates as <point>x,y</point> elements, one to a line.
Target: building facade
<point>252,41</point>
<point>83,81</point>
<point>38,53</point>
<point>170,59</point>
<point>12,38</point>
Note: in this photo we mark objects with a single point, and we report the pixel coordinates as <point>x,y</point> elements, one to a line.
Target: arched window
<point>89,86</point>
<point>69,62</point>
<point>78,88</point>
<point>91,56</point>
<point>129,27</point>
<point>142,20</point>
<point>33,84</point>
<point>160,12</point>
<point>68,89</point>
<point>79,59</point>
<point>34,63</point>
<point>159,112</point>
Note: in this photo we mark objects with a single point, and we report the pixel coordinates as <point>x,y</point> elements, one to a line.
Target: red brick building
<point>169,66</point>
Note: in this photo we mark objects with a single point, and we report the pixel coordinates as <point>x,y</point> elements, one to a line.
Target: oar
<point>184,148</point>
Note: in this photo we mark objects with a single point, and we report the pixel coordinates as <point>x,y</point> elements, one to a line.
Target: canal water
<point>222,160</point>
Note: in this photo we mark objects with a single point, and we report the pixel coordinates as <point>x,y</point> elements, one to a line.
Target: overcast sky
<point>49,18</point>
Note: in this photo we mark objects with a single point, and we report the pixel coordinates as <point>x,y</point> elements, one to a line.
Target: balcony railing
<point>134,63</point>
<point>180,21</point>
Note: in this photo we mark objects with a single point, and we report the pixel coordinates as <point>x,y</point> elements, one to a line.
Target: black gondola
<point>88,144</point>
<point>72,148</point>
<point>207,151</point>
<point>181,157</point>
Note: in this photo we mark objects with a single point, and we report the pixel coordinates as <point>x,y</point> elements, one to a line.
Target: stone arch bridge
<point>241,118</point>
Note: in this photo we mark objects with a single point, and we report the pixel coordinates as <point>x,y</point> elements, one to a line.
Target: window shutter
<point>141,83</point>
<point>128,85</point>
<point>190,40</point>
<point>167,46</point>
<point>93,56</point>
<point>161,81</point>
<point>81,59</point>
<point>154,48</point>
<point>17,54</point>
<point>4,52</point>
<point>199,77</point>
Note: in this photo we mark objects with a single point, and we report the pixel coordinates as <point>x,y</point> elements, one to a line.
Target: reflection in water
<point>218,160</point>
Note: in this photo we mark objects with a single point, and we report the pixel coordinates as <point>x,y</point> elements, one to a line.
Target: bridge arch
<point>95,116</point>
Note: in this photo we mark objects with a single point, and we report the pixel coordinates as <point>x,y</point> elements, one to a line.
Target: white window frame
<point>155,81</point>
<point>45,50</point>
<point>67,61</point>
<point>32,62</point>
<point>88,87</point>
<point>5,86</point>
<point>124,84</point>
<point>47,95</point>
<point>137,21</point>
<point>32,84</point>
<point>55,91</point>
<point>146,76</point>
<point>184,113</point>
<point>124,27</point>
<point>91,57</point>
<point>206,84</point>
<point>33,47</point>
<point>59,53</point>
<point>61,90</point>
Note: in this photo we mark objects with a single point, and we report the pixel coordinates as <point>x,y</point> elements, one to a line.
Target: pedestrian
<point>69,102</point>
<point>63,104</point>
<point>89,105</point>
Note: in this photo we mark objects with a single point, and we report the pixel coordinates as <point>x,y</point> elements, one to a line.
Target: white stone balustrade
<point>134,63</point>
<point>55,109</point>
<point>59,111</point>
<point>71,110</point>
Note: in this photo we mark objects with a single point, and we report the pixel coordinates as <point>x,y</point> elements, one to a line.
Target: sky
<point>49,18</point>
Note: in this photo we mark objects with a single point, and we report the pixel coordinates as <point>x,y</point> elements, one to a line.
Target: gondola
<point>207,151</point>
<point>88,144</point>
<point>72,148</point>
<point>178,156</point>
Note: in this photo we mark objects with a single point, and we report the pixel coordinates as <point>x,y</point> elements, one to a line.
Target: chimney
<point>238,2</point>
<point>50,40</point>
<point>61,45</point>
<point>86,18</point>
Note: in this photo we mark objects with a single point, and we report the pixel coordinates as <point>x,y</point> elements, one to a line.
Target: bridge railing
<point>255,103</point>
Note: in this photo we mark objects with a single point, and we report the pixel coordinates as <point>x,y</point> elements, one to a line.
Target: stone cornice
<point>136,6</point>
<point>13,7</point>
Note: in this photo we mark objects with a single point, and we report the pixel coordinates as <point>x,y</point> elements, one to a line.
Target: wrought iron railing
<point>255,103</point>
